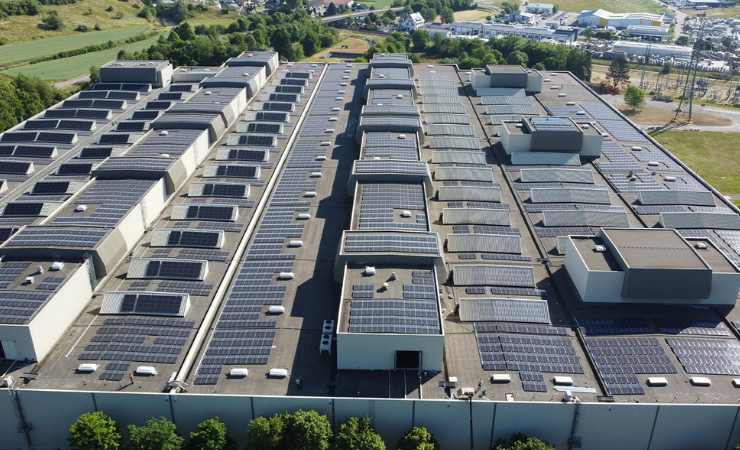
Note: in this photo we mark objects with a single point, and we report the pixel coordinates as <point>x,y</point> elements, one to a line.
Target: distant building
<point>654,50</point>
<point>496,30</point>
<point>325,3</point>
<point>524,18</point>
<point>705,4</point>
<point>362,8</point>
<point>602,18</point>
<point>412,22</point>
<point>647,32</point>
<point>541,8</point>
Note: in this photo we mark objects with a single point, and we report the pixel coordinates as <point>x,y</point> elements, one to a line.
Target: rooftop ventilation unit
<point>208,93</point>
<point>146,370</point>
<point>546,80</point>
<point>329,130</point>
<point>636,148</point>
<point>39,270</point>
<point>500,378</point>
<point>586,127</point>
<point>239,372</point>
<point>369,270</point>
<point>571,103</point>
<point>345,77</point>
<point>341,91</point>
<point>81,208</point>
<point>336,108</point>
<point>286,275</point>
<point>328,326</point>
<point>581,113</point>
<point>58,265</point>
<point>163,133</point>
<point>701,245</point>
<point>406,214</point>
<point>310,194</point>
<point>653,163</point>
<point>88,368</point>
<point>28,280</point>
<point>701,381</point>
<point>430,66</point>
<point>600,248</point>
<point>338,99</point>
<point>325,143</point>
<point>315,175</point>
<point>670,178</point>
<point>562,94</point>
<point>304,216</point>
<point>563,381</point>
<point>246,74</point>
<point>343,84</point>
<point>736,382</point>
<point>276,309</point>
<point>296,243</point>
<point>401,136</point>
<point>321,158</point>
<point>278,373</point>
<point>657,381</point>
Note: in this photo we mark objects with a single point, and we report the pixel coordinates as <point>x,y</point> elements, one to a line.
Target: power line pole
<point>687,99</point>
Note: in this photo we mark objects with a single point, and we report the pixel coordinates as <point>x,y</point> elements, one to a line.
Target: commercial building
<point>635,49</point>
<point>602,18</point>
<point>389,233</point>
<point>497,31</point>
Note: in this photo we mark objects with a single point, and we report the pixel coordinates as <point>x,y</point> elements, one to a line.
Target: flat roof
<point>654,249</point>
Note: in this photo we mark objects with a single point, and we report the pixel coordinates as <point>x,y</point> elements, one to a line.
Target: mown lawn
<point>378,4</point>
<point>27,51</point>
<point>67,68</point>
<point>712,155</point>
<point>17,29</point>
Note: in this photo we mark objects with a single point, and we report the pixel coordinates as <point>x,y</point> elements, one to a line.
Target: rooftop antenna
<point>687,99</point>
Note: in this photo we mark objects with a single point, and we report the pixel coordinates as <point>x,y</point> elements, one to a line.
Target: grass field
<point>617,6</point>
<point>354,41</point>
<point>378,4</point>
<point>25,28</point>
<point>67,68</point>
<point>712,155</point>
<point>474,14</point>
<point>27,51</point>
<point>208,21</point>
<point>715,12</point>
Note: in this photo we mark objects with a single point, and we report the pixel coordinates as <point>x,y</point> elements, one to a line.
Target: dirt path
<point>73,81</point>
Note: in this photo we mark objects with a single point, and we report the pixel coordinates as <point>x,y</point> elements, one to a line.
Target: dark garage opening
<point>408,360</point>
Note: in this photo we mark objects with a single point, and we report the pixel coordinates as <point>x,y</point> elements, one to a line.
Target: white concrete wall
<point>592,285</point>
<point>19,337</point>
<point>591,145</point>
<point>153,202</point>
<point>478,80</point>
<point>60,312</point>
<point>378,351</point>
<point>725,287</point>
<point>132,226</point>
<point>514,142</point>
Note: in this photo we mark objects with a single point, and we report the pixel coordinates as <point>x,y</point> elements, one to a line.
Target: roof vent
<point>347,71</point>
<point>657,381</point>
<point>599,248</point>
<point>341,91</point>
<point>401,136</point>
<point>165,155</point>
<point>314,65</point>
<point>208,93</point>
<point>636,148</point>
<point>581,113</point>
<point>701,381</point>
<point>39,270</point>
<point>336,108</point>
<point>249,55</point>
<point>286,275</point>
<point>562,94</point>
<point>239,372</point>
<point>701,245</point>
<point>563,381</point>
<point>329,130</point>
<point>586,127</point>
<point>310,194</point>
<point>321,158</point>
<point>346,77</point>
<point>406,213</point>
<point>315,175</point>
<point>369,270</point>
<point>146,370</point>
<point>736,382</point>
<point>58,265</point>
<point>246,74</point>
<point>546,80</point>
<point>519,125</point>
<point>304,216</point>
<point>332,119</point>
<point>163,133</point>
<point>28,280</point>
<point>339,99</point>
<point>325,143</point>
<point>669,178</point>
<point>432,71</point>
<point>430,66</point>
<point>343,84</point>
<point>399,96</point>
<point>376,158</point>
<point>348,65</point>
<point>571,103</point>
<point>276,309</point>
<point>296,243</point>
<point>81,208</point>
<point>278,373</point>
<point>88,367</point>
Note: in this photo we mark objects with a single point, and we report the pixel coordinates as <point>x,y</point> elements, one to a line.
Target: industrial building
<point>498,31</point>
<point>640,49</point>
<point>388,233</point>
<point>602,18</point>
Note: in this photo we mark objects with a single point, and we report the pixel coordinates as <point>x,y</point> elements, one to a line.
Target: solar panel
<point>489,275</point>
<point>181,270</point>
<point>129,125</point>
<point>50,187</point>
<point>95,152</point>
<point>147,303</point>
<point>145,115</point>
<point>112,138</point>
<point>257,140</point>
<point>74,169</point>
<point>192,238</point>
<point>209,212</point>
<point>34,151</point>
<point>23,209</point>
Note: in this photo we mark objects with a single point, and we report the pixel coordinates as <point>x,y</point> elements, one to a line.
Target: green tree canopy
<point>94,431</point>
<point>634,96</point>
<point>358,434</point>
<point>421,39</point>
<point>51,21</point>
<point>618,72</point>
<point>522,442</point>
<point>448,16</point>
<point>304,430</point>
<point>155,435</point>
<point>418,439</point>
<point>211,435</point>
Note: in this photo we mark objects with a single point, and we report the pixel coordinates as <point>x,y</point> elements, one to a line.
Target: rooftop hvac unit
<point>246,74</point>
<point>325,143</point>
<point>346,77</point>
<point>304,216</point>
<point>369,270</point>
<point>325,344</point>
<point>332,119</point>
<point>28,280</point>
<point>329,130</point>
<point>563,381</point>
<point>39,270</point>
<point>88,368</point>
<point>546,80</point>
<point>276,309</point>
<point>347,71</point>
<point>341,91</point>
<point>58,265</point>
<point>339,99</point>
<point>581,113</point>
<point>636,148</point>
<point>657,381</point>
<point>146,370</point>
<point>296,243</point>
<point>736,382</point>
<point>328,327</point>
<point>653,163</point>
<point>406,214</point>
<point>336,108</point>
<point>571,103</point>
<point>343,84</point>
<point>286,275</point>
<point>401,136</point>
<point>163,133</point>
<point>278,373</point>
<point>240,372</point>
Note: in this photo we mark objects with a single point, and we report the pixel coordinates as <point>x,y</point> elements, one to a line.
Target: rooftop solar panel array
<point>380,205</point>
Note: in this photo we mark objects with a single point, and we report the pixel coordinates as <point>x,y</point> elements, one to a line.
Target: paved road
<point>68,83</point>
<point>356,14</point>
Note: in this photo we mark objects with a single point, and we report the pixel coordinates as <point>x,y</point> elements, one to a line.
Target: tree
<point>634,96</point>
<point>509,8</point>
<point>418,439</point>
<point>294,4</point>
<point>307,430</point>
<point>517,58</point>
<point>390,14</point>
<point>588,34</point>
<point>51,21</point>
<point>356,434</point>
<point>682,40</point>
<point>331,10</point>
<point>619,71</point>
<point>727,43</point>
<point>155,435</point>
<point>94,431</point>
<point>429,14</point>
<point>266,433</point>
<point>667,67</point>
<point>93,74</point>
<point>211,435</point>
<point>448,16</point>
<point>522,442</point>
<point>421,39</point>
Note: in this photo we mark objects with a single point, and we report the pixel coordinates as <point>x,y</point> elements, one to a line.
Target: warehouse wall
<point>598,426</point>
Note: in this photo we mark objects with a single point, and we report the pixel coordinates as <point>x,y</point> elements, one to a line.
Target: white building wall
<point>191,409</point>
<point>132,226</point>
<point>725,287</point>
<point>479,80</point>
<point>550,424</point>
<point>591,145</point>
<point>128,407</point>
<point>153,202</point>
<point>693,426</point>
<point>367,351</point>
<point>514,142</point>
<point>442,416</point>
<point>604,428</point>
<point>51,413</point>
<point>592,285</point>
<point>52,321</point>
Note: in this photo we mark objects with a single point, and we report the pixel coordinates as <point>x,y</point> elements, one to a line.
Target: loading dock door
<point>408,360</point>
